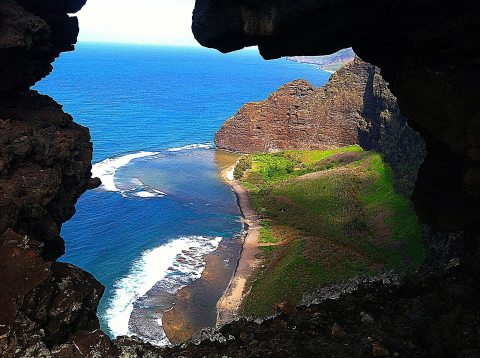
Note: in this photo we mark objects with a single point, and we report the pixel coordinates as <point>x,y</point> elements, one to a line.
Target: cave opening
<point>171,101</point>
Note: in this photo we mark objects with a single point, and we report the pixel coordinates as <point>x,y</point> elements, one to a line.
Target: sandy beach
<point>229,305</point>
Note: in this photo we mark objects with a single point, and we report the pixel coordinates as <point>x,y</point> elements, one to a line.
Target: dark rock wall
<point>428,53</point>
<point>386,131</point>
<point>32,34</point>
<point>429,316</point>
<point>46,307</point>
<point>45,162</point>
<point>354,107</point>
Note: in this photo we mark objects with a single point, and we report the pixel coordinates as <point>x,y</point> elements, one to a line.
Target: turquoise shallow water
<point>153,112</point>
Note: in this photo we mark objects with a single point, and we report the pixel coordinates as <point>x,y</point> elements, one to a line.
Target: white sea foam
<point>152,193</point>
<point>159,192</point>
<point>169,267</point>
<point>106,169</point>
<point>229,173</point>
<point>145,194</point>
<point>137,182</point>
<point>191,146</point>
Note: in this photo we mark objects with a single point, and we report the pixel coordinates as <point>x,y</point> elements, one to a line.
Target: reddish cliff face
<point>301,116</point>
<point>298,116</point>
<point>354,107</point>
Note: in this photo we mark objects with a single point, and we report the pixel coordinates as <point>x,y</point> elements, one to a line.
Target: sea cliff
<point>354,107</point>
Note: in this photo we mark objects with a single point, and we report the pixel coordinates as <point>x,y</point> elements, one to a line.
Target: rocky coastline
<point>329,63</point>
<point>179,322</point>
<point>49,308</point>
<point>195,305</point>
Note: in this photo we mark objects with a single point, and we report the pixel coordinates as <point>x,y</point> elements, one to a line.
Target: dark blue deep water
<point>152,113</point>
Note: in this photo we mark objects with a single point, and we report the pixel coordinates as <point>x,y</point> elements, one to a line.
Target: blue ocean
<point>153,112</point>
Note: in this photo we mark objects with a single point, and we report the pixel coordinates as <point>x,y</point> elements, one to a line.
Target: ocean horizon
<point>153,112</point>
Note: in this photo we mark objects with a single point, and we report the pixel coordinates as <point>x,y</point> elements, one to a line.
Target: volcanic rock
<point>46,307</point>
<point>354,107</point>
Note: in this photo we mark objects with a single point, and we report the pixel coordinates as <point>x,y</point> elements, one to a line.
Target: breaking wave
<point>191,146</point>
<point>106,169</point>
<point>168,267</point>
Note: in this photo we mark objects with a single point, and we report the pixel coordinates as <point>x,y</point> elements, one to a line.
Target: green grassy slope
<point>329,215</point>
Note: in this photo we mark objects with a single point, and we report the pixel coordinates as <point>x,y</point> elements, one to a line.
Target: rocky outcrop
<point>32,34</point>
<point>45,162</point>
<point>380,319</point>
<point>427,52</point>
<point>294,117</point>
<point>354,107</point>
<point>46,307</point>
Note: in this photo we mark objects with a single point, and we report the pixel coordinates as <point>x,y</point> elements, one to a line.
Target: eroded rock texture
<point>354,107</point>
<point>46,307</point>
<point>428,53</point>
<point>32,34</point>
<point>380,319</point>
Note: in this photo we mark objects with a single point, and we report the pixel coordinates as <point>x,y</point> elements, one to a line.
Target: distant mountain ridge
<point>330,63</point>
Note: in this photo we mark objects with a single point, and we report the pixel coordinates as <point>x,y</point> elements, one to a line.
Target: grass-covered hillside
<point>326,216</point>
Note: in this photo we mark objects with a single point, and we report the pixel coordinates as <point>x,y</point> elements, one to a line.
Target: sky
<point>163,22</point>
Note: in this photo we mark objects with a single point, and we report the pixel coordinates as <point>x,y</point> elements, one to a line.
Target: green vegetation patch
<point>345,218</point>
<point>403,245</point>
<point>288,273</point>
<point>243,164</point>
<point>314,156</point>
<point>266,233</point>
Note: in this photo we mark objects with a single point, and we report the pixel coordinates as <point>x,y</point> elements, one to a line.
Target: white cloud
<point>164,22</point>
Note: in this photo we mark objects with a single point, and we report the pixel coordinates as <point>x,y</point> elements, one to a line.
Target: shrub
<point>244,164</point>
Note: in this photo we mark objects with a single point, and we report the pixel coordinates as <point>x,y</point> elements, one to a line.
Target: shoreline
<point>230,304</point>
<point>195,305</point>
<point>232,280</point>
